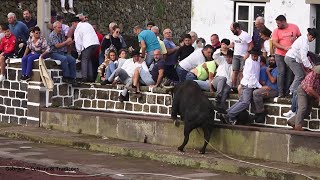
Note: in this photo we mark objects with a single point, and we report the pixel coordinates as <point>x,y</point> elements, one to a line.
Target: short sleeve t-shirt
<point>274,73</point>
<point>150,39</point>
<point>285,37</point>
<point>202,73</point>
<point>155,70</point>
<point>263,74</point>
<point>241,43</point>
<point>172,58</point>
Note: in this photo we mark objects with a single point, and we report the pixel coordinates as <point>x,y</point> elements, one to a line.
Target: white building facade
<point>215,16</point>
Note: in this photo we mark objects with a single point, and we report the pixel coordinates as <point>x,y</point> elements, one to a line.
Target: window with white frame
<point>246,13</point>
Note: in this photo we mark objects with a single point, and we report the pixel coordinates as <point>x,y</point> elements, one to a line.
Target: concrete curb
<point>217,164</point>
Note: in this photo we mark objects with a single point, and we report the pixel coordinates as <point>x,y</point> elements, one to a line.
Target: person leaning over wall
<point>308,93</point>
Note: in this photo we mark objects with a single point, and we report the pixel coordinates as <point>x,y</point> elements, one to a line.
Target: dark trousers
<point>88,63</point>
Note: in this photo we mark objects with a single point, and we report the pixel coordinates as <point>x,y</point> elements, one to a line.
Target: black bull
<point>195,110</point>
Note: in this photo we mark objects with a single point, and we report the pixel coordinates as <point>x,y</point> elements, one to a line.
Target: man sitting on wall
<point>125,74</point>
<point>269,89</point>
<point>249,83</point>
<point>58,51</point>
<point>7,45</point>
<point>153,78</point>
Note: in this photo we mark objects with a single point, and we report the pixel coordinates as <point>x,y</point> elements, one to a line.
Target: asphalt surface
<point>59,160</point>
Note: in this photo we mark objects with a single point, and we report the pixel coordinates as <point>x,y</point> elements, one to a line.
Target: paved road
<point>69,161</point>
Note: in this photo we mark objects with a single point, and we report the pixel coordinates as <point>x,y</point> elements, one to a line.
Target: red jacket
<point>7,45</point>
<point>100,37</point>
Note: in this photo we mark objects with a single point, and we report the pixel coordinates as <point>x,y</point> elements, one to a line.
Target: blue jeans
<point>101,58</point>
<point>182,73</point>
<point>299,75</point>
<point>27,63</point>
<point>149,58</point>
<point>191,76</point>
<point>109,70</point>
<point>68,64</point>
<point>204,85</point>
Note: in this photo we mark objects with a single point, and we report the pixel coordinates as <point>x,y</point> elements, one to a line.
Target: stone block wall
<point>13,98</point>
<point>20,102</point>
<point>158,102</point>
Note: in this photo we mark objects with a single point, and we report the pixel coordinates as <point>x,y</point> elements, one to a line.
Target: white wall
<point>215,16</point>
<point>212,16</point>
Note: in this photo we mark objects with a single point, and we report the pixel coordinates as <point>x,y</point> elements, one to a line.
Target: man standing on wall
<point>282,38</point>
<point>240,43</point>
<point>87,42</point>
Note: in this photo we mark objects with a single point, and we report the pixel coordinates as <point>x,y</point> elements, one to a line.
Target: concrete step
<point>212,160</point>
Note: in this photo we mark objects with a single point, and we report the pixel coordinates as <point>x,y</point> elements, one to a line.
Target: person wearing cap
<point>83,17</point>
<point>308,93</point>
<point>249,82</point>
<point>72,48</point>
<point>282,39</point>
<point>87,42</point>
<point>296,58</point>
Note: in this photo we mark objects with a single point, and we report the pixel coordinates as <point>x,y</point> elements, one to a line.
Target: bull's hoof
<point>176,123</point>
<point>202,152</point>
<point>180,149</point>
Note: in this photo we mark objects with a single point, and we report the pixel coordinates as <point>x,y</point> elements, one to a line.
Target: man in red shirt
<point>8,43</point>
<point>308,92</point>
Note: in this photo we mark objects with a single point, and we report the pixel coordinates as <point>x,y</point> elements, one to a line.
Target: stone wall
<point>20,102</point>
<point>174,14</point>
<point>157,102</point>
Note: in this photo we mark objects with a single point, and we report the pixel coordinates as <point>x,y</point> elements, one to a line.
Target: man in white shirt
<point>87,42</point>
<point>296,58</point>
<point>240,43</point>
<point>196,58</point>
<point>249,82</point>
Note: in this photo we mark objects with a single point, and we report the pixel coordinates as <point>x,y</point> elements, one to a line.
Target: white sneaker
<point>71,11</point>
<point>2,77</point>
<point>289,114</point>
<point>64,10</point>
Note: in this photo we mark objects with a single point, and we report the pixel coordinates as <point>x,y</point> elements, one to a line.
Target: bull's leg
<point>174,109</point>
<point>207,134</point>
<point>187,130</point>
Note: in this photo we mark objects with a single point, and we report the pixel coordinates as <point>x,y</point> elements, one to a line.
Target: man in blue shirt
<point>171,59</point>
<point>20,31</point>
<point>269,89</point>
<point>148,42</point>
<point>58,51</point>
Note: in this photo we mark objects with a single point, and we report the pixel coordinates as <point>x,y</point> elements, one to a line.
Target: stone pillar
<point>44,16</point>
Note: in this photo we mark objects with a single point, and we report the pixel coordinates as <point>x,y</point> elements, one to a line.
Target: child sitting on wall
<point>108,66</point>
<point>7,45</point>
